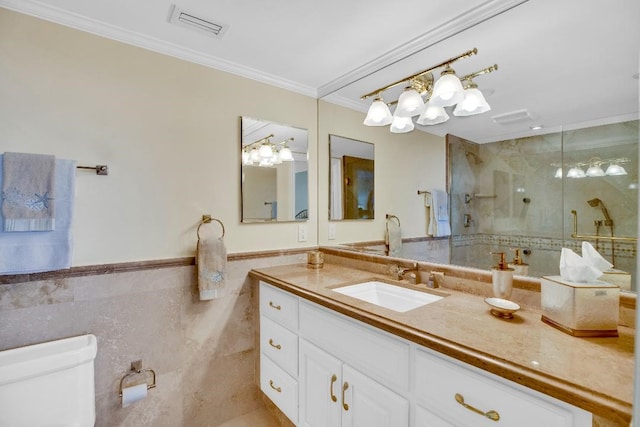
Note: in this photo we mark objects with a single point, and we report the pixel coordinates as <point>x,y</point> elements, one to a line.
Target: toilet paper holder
<point>136,369</point>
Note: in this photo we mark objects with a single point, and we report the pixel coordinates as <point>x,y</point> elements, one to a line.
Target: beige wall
<point>168,129</point>
<point>404,164</point>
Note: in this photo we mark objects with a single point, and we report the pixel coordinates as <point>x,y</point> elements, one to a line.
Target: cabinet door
<point>320,387</point>
<point>425,418</point>
<point>367,403</point>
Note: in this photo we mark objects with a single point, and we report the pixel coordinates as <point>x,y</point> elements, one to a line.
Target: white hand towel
<point>439,215</point>
<point>393,236</point>
<point>211,260</point>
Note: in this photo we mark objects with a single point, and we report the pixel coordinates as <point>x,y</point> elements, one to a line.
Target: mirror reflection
<point>274,180</point>
<point>351,179</point>
<point>530,197</point>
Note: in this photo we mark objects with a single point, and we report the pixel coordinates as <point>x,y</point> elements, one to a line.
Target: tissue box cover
<point>588,309</point>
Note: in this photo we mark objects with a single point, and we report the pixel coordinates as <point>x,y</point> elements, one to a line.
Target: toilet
<point>49,384</point>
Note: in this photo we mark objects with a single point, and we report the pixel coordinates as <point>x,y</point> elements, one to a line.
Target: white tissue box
<point>588,309</point>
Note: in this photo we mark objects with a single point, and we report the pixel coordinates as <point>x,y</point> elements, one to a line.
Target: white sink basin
<point>389,296</point>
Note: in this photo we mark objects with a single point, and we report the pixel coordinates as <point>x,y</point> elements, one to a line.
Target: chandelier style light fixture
<point>265,153</point>
<point>425,100</point>
<point>594,168</point>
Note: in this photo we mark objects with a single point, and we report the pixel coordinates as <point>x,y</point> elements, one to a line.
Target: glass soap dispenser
<point>502,278</point>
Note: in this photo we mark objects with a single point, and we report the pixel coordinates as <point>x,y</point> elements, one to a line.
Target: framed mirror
<point>351,179</point>
<point>274,172</point>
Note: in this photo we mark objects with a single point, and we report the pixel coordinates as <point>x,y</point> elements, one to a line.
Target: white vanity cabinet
<point>447,389</point>
<point>279,348</point>
<point>334,394</point>
<point>325,369</point>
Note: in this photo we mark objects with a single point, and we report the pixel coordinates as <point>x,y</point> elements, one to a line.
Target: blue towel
<point>28,192</point>
<point>36,251</point>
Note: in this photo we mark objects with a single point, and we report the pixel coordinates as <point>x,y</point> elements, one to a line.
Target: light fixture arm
<point>428,70</point>
<point>487,70</point>
<point>258,142</point>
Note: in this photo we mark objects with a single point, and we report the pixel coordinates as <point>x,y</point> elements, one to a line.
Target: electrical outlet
<point>302,232</point>
<point>332,231</point>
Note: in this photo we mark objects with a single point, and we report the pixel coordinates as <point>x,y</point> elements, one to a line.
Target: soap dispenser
<point>519,266</point>
<point>502,278</point>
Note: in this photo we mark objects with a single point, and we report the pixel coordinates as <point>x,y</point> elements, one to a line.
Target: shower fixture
<point>476,159</point>
<point>594,203</point>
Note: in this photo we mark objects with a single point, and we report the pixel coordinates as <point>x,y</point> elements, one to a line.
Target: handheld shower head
<point>594,203</point>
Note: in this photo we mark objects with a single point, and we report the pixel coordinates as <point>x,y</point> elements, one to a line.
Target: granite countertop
<point>595,374</point>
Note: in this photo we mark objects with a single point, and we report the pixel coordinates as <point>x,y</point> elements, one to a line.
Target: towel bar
<point>206,219</point>
<point>100,169</point>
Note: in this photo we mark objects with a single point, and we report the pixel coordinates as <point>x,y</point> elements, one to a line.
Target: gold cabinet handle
<point>277,346</point>
<point>333,380</point>
<point>278,389</point>
<point>492,415</point>
<point>345,386</point>
<point>272,305</point>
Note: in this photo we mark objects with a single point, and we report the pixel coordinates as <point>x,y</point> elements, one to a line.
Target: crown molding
<point>82,23</point>
<point>462,22</point>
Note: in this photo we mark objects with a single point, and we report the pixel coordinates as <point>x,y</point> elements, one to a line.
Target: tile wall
<point>203,352</point>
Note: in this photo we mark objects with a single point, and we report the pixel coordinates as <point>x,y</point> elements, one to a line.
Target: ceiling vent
<point>512,117</point>
<point>189,20</point>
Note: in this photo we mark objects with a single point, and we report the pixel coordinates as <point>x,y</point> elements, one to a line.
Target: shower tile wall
<point>508,190</point>
<point>202,351</point>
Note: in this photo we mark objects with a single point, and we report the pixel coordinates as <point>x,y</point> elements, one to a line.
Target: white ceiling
<point>569,63</point>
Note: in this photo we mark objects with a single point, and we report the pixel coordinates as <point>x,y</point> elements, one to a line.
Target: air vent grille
<point>203,25</point>
<point>512,117</point>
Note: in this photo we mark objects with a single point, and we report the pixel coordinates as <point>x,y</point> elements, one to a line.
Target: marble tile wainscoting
<point>203,352</point>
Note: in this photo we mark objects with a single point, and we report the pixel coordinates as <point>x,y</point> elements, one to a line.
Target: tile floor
<point>258,418</point>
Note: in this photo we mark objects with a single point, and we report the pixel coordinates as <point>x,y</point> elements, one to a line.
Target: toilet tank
<point>49,384</point>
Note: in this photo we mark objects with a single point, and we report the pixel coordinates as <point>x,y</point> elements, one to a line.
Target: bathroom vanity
<point>329,359</point>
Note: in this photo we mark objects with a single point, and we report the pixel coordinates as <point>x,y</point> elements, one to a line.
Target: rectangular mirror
<point>274,172</point>
<point>351,179</point>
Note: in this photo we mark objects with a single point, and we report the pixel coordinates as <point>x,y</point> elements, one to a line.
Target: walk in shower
<point>533,194</point>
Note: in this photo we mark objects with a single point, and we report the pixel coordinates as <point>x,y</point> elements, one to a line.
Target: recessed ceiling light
<point>536,127</point>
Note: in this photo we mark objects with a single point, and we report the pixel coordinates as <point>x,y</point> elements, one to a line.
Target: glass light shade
<point>265,163</point>
<point>614,169</point>
<point>275,159</point>
<point>447,90</point>
<point>246,158</point>
<point>285,155</point>
<point>378,114</point>
<point>558,173</point>
<point>473,103</point>
<point>410,104</point>
<point>254,155</point>
<point>402,125</point>
<point>265,151</point>
<point>595,170</point>
<point>432,115</point>
<point>576,172</point>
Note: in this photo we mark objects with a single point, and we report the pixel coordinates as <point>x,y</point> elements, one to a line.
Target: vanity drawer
<point>280,387</point>
<point>438,381</point>
<point>376,354</point>
<point>280,344</point>
<point>279,306</point>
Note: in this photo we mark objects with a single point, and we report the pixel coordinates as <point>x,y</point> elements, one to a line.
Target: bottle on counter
<point>502,278</point>
<point>519,266</point>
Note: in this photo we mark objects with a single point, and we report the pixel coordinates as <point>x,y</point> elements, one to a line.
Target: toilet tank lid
<point>22,363</point>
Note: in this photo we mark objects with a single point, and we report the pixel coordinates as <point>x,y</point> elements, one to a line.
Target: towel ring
<point>206,219</point>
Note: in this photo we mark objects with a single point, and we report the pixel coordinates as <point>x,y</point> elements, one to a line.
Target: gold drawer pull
<point>345,386</point>
<point>278,389</point>
<point>333,380</point>
<point>272,305</point>
<point>492,415</point>
<point>277,346</point>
